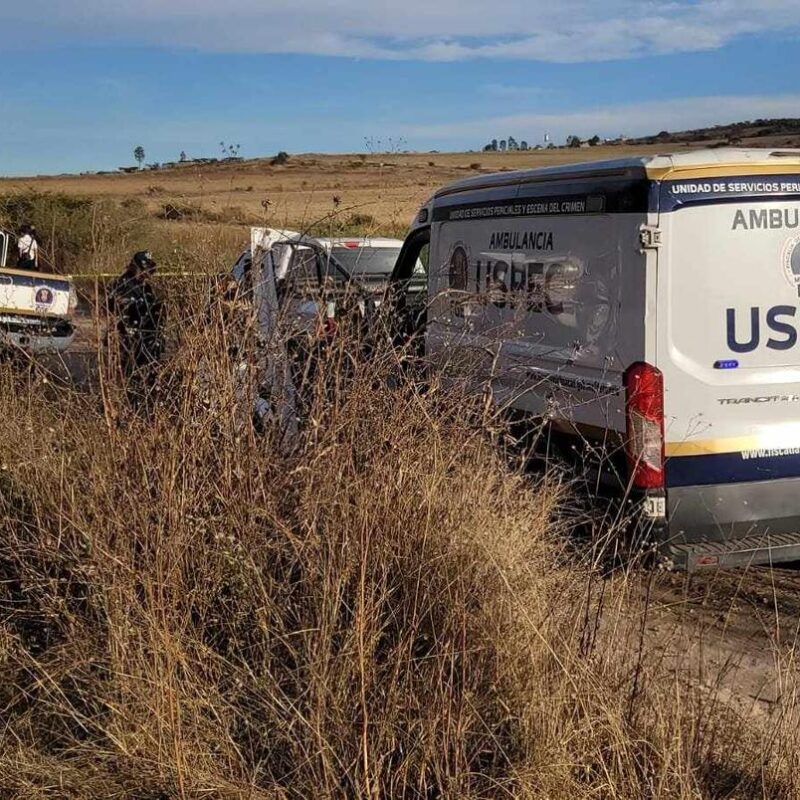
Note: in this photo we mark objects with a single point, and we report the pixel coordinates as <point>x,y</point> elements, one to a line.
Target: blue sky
<point>85,81</point>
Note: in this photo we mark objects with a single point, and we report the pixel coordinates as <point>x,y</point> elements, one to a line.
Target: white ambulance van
<point>649,309</point>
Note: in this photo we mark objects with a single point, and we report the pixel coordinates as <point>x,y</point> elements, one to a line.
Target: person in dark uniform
<point>138,311</point>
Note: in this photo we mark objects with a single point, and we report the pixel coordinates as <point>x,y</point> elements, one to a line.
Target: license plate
<point>655,507</point>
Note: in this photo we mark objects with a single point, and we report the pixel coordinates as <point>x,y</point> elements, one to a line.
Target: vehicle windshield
<point>367,261</point>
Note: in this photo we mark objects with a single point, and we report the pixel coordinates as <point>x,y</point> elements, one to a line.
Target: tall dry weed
<point>380,609</point>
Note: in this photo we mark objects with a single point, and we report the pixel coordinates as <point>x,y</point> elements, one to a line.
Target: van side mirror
<point>4,237</point>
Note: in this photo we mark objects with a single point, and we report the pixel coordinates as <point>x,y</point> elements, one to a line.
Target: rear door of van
<point>728,345</point>
<point>464,328</point>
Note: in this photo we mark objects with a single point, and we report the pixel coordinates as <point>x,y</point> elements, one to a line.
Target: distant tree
<point>573,141</point>
<point>494,144</point>
<point>503,144</point>
<point>523,145</point>
<point>183,156</point>
<point>138,154</point>
<point>512,143</point>
<point>230,150</point>
<point>375,145</point>
<point>279,159</point>
<point>594,141</point>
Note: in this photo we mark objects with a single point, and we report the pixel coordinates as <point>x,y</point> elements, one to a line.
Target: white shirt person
<point>28,249</point>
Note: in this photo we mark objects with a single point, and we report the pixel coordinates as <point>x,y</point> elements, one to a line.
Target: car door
<point>4,240</point>
<point>408,290</point>
<point>303,298</point>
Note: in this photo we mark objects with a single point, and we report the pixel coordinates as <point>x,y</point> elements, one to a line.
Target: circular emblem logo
<point>44,296</point>
<point>791,261</point>
<point>459,267</point>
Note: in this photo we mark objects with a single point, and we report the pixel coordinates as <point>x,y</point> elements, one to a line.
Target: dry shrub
<point>190,609</point>
<point>79,234</point>
<point>187,212</point>
<point>86,236</point>
<point>180,211</point>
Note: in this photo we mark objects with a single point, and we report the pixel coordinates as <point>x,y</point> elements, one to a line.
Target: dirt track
<point>736,630</point>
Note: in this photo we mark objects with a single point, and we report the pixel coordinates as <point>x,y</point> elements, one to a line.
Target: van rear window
<point>366,260</point>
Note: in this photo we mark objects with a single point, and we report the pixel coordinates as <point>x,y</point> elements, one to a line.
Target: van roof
<point>701,163</point>
<point>353,242</point>
<point>283,235</point>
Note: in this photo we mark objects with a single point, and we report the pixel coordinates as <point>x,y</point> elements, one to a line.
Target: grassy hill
<point>750,133</point>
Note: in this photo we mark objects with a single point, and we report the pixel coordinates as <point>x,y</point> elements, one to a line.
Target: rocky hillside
<point>751,133</point>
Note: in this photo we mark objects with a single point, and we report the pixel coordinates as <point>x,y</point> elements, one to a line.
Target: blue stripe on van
<point>729,468</point>
<point>595,195</point>
<point>10,278</point>
<point>732,189</point>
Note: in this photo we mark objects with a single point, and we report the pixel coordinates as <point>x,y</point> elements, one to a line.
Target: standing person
<point>138,311</point>
<point>28,248</point>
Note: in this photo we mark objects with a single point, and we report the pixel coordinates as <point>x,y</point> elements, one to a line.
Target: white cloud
<point>631,120</point>
<point>445,30</point>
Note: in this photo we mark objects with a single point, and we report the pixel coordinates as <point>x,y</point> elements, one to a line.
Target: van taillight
<point>644,446</point>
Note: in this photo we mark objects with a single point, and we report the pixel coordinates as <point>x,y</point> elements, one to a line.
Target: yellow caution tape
<point>156,275</point>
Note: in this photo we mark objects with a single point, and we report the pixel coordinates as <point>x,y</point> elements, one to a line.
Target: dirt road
<point>735,630</point>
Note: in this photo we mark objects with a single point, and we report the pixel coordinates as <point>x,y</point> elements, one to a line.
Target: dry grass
<point>387,187</point>
<point>189,609</point>
<point>91,223</point>
<point>384,609</point>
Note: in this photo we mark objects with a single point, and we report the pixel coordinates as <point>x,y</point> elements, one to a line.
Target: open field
<point>384,189</point>
<point>394,607</point>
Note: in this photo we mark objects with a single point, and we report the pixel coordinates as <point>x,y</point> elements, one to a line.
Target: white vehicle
<point>301,260</point>
<point>649,308</point>
<point>314,279</point>
<point>36,308</point>
<point>310,284</point>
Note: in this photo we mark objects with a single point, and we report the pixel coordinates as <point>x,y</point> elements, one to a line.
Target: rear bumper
<point>733,524</point>
<point>36,342</point>
<point>748,551</point>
